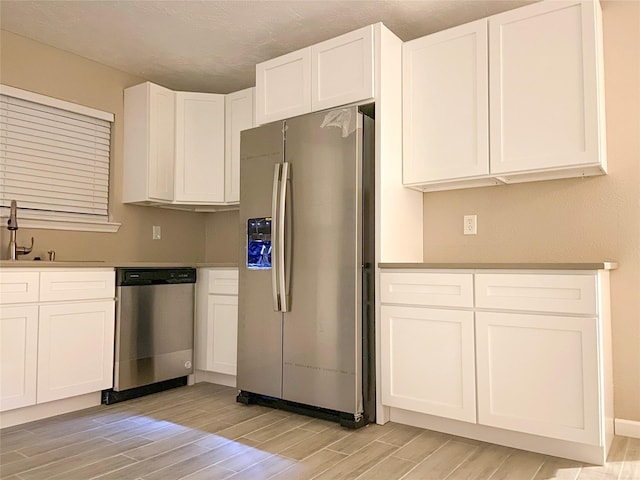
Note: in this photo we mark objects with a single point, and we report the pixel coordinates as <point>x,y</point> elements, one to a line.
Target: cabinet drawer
<point>223,281</point>
<point>18,287</point>
<point>76,285</point>
<point>541,293</point>
<point>435,289</point>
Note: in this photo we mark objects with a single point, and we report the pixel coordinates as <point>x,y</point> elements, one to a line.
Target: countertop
<point>98,264</point>
<point>502,266</point>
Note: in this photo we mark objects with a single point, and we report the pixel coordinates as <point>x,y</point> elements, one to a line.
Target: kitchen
<point>591,219</point>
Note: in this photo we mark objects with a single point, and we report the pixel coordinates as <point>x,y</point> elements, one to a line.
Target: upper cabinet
<point>329,74</point>
<point>199,160</point>
<point>545,114</point>
<point>181,149</point>
<point>283,87</point>
<point>446,105</point>
<point>238,116</point>
<point>546,90</point>
<point>149,143</point>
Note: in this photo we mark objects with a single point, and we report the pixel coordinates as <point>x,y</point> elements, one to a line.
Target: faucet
<point>12,226</point>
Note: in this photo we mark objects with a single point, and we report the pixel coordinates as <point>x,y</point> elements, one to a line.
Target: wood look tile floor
<point>200,433</point>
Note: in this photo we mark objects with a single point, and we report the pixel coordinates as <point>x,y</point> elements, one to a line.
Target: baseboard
<point>48,409</point>
<point>627,428</point>
<point>215,377</point>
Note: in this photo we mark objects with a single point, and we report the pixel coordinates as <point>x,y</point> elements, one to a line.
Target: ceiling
<point>214,45</point>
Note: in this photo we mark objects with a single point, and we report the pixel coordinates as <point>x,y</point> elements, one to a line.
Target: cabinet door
<point>222,334</point>
<point>446,105</point>
<point>283,87</point>
<point>18,356</point>
<point>538,374</point>
<point>199,162</point>
<point>75,349</point>
<point>238,117</point>
<point>544,87</point>
<point>161,118</point>
<point>428,361</point>
<point>342,70</point>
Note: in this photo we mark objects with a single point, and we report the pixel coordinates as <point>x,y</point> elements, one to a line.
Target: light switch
<point>157,233</point>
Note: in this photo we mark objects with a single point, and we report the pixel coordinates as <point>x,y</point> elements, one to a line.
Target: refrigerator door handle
<point>275,239</point>
<point>282,240</point>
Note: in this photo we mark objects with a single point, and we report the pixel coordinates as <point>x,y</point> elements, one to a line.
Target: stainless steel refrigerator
<point>306,307</point>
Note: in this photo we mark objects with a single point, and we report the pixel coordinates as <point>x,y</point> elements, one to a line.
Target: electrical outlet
<point>470,224</point>
<point>157,233</point>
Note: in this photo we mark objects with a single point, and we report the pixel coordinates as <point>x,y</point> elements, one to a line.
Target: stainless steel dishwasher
<point>154,331</point>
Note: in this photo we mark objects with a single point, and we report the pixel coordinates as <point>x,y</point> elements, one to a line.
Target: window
<point>54,161</point>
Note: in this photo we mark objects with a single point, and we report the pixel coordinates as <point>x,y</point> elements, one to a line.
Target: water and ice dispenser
<point>259,243</point>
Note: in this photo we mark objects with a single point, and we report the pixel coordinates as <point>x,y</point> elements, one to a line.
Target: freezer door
<point>322,328</point>
<point>259,325</point>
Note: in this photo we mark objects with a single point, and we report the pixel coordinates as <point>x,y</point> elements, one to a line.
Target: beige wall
<point>591,219</point>
<point>39,68</point>
<point>222,233</point>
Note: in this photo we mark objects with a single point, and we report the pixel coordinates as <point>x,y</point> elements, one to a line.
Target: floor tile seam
<point>462,462</point>
<point>168,451</point>
<point>423,460</point>
<point>185,460</point>
<point>325,447</point>
<point>349,455</point>
<point>59,459</point>
<point>96,427</point>
<point>260,442</point>
<point>11,451</point>
<point>230,457</point>
<point>504,461</point>
<point>497,467</point>
<point>258,416</point>
<point>362,477</point>
<point>62,475</point>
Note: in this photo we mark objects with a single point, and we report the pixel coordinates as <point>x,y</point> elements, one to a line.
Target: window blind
<point>52,159</point>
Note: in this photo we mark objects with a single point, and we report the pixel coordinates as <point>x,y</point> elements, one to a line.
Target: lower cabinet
<point>57,342</point>
<point>217,324</point>
<point>75,349</point>
<point>538,374</point>
<point>531,348</point>
<point>429,361</point>
<point>222,334</point>
<point>18,356</point>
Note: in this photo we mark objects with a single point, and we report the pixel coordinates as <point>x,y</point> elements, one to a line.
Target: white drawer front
<point>76,285</point>
<point>223,281</point>
<point>541,293</point>
<point>435,289</point>
<point>18,287</point>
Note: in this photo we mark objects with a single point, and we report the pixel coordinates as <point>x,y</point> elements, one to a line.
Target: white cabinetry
<point>342,70</point>
<point>545,102</point>
<point>283,87</point>
<point>239,116</point>
<point>18,355</point>
<point>75,349</point>
<point>58,341</point>
<point>331,73</point>
<point>539,374</point>
<point>531,346</point>
<point>546,91</point>
<point>217,324</point>
<point>199,160</point>
<point>149,143</point>
<point>429,361</point>
<point>446,105</point>
<point>175,147</point>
